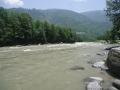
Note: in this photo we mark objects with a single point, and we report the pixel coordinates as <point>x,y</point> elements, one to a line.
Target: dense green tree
<point>113,12</point>
<point>54,34</point>
<point>3,16</point>
<point>39,32</point>
<point>25,27</point>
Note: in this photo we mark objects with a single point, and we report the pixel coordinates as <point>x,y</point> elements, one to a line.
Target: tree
<point>3,17</point>
<point>113,12</point>
<point>25,27</point>
<point>53,33</point>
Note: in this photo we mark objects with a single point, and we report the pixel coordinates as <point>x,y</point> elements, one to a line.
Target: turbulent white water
<point>31,48</point>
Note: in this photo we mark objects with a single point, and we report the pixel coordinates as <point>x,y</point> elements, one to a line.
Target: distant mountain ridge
<point>88,24</point>
<point>98,16</point>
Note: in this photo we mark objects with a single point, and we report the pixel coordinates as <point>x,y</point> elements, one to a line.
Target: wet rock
<point>116,83</point>
<point>94,83</point>
<point>113,61</point>
<point>97,79</point>
<point>100,65</point>
<point>94,86</point>
<point>109,48</point>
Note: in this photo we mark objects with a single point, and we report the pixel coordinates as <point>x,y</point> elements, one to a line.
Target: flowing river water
<point>48,67</point>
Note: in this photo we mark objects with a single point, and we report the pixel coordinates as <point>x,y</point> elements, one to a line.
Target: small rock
<point>100,65</point>
<point>94,86</point>
<point>98,79</point>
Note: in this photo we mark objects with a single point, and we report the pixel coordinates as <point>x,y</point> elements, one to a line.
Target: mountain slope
<point>97,16</point>
<point>89,24</point>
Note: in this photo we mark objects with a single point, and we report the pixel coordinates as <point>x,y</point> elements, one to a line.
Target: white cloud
<point>80,0</point>
<point>13,3</point>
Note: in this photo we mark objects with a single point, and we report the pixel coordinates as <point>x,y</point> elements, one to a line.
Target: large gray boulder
<point>113,61</point>
<point>112,88</point>
<point>116,83</point>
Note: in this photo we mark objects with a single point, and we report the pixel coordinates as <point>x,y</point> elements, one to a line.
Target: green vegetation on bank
<point>20,28</point>
<point>113,12</point>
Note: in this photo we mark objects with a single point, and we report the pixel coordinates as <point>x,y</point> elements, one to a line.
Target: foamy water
<point>50,47</point>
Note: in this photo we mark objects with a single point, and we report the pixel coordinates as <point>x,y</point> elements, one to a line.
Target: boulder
<point>113,61</point>
<point>116,83</point>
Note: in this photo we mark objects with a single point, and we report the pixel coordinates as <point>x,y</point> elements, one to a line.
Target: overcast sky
<point>75,5</point>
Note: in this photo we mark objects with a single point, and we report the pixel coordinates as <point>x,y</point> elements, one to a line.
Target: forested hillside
<point>88,25</point>
<point>20,28</point>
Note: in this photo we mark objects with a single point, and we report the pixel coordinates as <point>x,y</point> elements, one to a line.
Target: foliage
<point>20,28</point>
<point>113,12</point>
